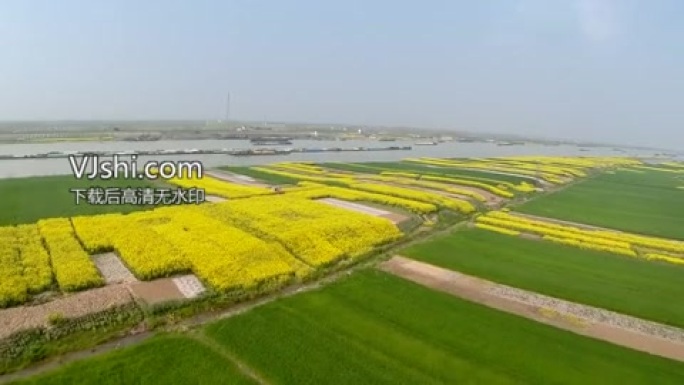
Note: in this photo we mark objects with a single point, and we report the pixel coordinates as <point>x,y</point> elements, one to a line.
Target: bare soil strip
<point>396,218</point>
<point>112,269</point>
<point>235,178</point>
<point>530,236</point>
<point>215,199</point>
<point>393,217</point>
<point>76,305</point>
<point>619,329</point>
<point>354,206</point>
<point>157,291</point>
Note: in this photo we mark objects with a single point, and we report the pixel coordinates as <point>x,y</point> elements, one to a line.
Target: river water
<point>61,166</point>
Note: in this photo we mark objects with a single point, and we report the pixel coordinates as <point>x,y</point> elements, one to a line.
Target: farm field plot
<point>622,284</point>
<point>553,170</point>
<point>26,200</point>
<point>646,202</point>
<point>373,336</point>
<point>163,360</point>
<point>377,167</point>
<point>583,236</point>
<point>457,194</point>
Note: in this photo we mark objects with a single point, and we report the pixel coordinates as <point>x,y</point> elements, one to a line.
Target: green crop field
<point>623,284</point>
<point>162,360</point>
<point>647,203</point>
<point>26,200</point>
<point>373,328</point>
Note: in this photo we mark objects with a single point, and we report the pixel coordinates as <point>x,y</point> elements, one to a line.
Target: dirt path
<point>619,329</point>
<point>113,269</point>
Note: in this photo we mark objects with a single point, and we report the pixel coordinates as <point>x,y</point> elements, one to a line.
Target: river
<point>60,166</point>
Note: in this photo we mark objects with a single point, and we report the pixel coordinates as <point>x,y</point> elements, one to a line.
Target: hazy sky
<point>610,70</point>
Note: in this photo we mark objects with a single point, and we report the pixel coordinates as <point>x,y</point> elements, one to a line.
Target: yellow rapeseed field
<point>226,257</point>
<point>556,170</point>
<point>432,185</point>
<point>601,240</point>
<point>309,173</point>
<point>311,190</point>
<point>34,259</point>
<point>214,186</point>
<point>132,237</point>
<point>72,266</point>
<point>317,233</point>
<point>12,285</point>
<point>420,196</point>
<point>247,244</point>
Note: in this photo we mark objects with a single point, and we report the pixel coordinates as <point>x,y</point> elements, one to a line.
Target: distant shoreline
<point>11,133</point>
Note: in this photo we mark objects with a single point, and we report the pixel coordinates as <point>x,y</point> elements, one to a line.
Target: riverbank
<point>222,151</point>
